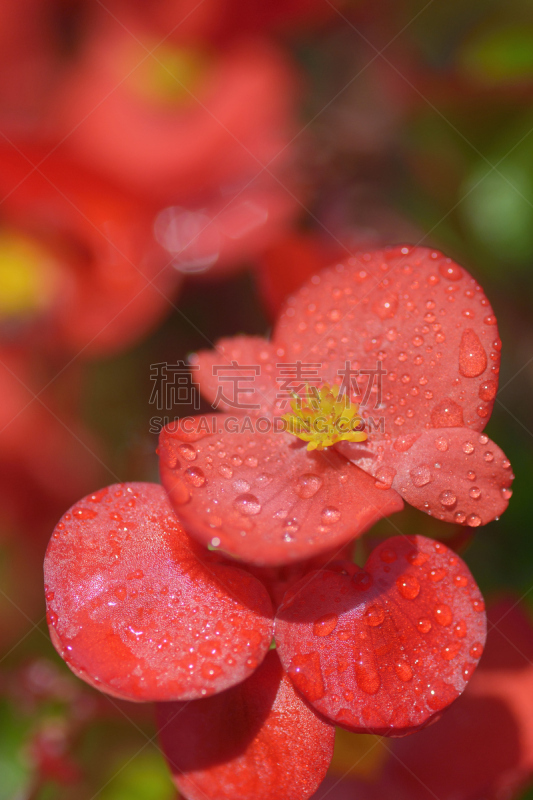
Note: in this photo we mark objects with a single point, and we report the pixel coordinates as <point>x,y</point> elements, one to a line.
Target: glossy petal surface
<point>257,741</point>
<point>383,650</point>
<point>262,496</point>
<point>418,313</point>
<point>136,609</point>
<point>455,474</point>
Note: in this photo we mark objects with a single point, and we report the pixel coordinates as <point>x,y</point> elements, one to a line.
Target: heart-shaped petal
<point>239,374</point>
<point>257,741</point>
<point>455,474</point>
<point>136,608</point>
<point>414,328</point>
<point>385,649</point>
<point>263,497</point>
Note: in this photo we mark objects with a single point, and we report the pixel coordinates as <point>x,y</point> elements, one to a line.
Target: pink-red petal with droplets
<point>382,650</point>
<point>257,741</point>
<point>419,315</point>
<point>136,608</point>
<point>239,375</point>
<point>455,474</point>
<point>264,497</point>
<point>483,746</point>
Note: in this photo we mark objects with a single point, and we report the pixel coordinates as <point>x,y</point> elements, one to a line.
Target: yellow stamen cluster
<point>323,417</point>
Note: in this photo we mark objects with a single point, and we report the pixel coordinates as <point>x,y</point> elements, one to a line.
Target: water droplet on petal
<point>247,504</point>
<point>451,651</point>
<point>307,485</point>
<point>325,625</point>
<point>306,674</point>
<point>408,586</point>
<point>441,443</point>
<point>438,574</point>
<point>403,670</point>
<point>447,414</point>
<point>367,679</point>
<point>479,605</point>
<point>472,355</point>
<point>488,456</point>
<point>473,520</point>
<point>476,651</point>
<point>447,498</point>
<point>187,452</point>
<point>421,476</point>
<point>475,492</point>
<point>388,555</point>
<point>443,614</point>
<point>226,471</point>
<point>330,515</point>
<point>195,476</point>
<point>451,271</point>
<point>385,306</point>
<point>84,513</point>
<point>487,390</point>
<point>374,615</point>
<point>424,625</point>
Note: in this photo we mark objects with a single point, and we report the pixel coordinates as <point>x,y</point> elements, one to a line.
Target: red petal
<point>262,496</point>
<point>455,474</point>
<point>137,610</point>
<point>419,314</point>
<point>257,740</point>
<point>383,650</point>
<point>483,747</point>
<point>226,383</point>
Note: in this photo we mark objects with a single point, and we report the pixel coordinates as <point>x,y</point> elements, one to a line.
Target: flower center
<point>323,417</point>
<point>28,276</point>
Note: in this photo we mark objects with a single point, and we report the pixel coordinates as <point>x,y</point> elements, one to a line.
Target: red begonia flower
<point>483,746</point>
<point>428,323</point>
<point>257,741</point>
<point>89,245</point>
<point>387,648</point>
<point>137,609</point>
<point>255,492</point>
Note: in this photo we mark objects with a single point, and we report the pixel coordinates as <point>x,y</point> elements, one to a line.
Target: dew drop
<point>451,271</point>
<point>421,476</point>
<point>447,414</point>
<point>424,625</point>
<point>330,515</point>
<point>443,614</point>
<point>187,452</point>
<point>403,670</point>
<point>460,580</point>
<point>479,606</point>
<point>226,471</point>
<point>307,485</point>
<point>473,520</point>
<point>306,674</point>
<point>475,492</point>
<point>437,575</point>
<point>472,355</point>
<point>195,476</point>
<point>251,461</point>
<point>471,475</point>
<point>488,456</point>
<point>84,513</point>
<point>51,617</point>
<point>460,629</point>
<point>487,390</point>
<point>451,651</point>
<point>468,671</point>
<point>476,651</point>
<point>408,586</point>
<point>507,493</point>
<point>367,679</point>
<point>386,306</point>
<point>325,625</point>
<point>247,504</point>
<point>374,615</point>
<point>441,443</point>
<point>120,592</point>
<point>447,498</point>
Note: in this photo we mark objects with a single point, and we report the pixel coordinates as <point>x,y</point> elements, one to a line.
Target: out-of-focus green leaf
<point>499,56</point>
<point>14,771</point>
<point>498,209</point>
<point>145,777</point>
